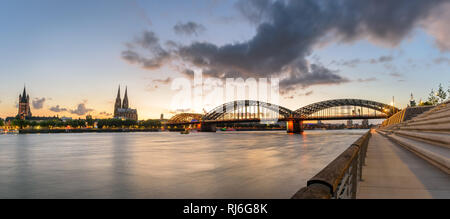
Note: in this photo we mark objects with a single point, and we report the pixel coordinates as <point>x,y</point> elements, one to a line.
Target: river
<point>254,164</point>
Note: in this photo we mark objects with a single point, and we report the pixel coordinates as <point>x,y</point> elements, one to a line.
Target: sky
<point>73,55</point>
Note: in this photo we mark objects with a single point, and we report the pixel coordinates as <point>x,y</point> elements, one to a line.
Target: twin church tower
<point>122,109</point>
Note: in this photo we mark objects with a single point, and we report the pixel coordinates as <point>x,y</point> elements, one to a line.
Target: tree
<point>90,121</point>
<point>33,124</point>
<point>21,123</point>
<point>448,91</point>
<point>432,98</point>
<point>441,94</point>
<point>1,122</point>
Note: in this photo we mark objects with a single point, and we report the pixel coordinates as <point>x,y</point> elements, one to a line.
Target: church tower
<point>118,103</point>
<point>122,109</point>
<point>125,100</point>
<point>24,105</point>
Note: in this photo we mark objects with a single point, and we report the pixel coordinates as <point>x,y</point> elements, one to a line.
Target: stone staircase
<point>427,135</point>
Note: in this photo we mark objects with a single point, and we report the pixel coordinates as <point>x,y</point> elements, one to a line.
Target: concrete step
<point>438,115</point>
<point>429,121</point>
<point>435,110</point>
<point>436,155</point>
<point>442,139</point>
<point>444,127</point>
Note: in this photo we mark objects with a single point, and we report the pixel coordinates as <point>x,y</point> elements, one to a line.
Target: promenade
<point>393,172</point>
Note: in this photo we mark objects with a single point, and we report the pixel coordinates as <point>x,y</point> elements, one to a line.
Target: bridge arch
<point>316,107</point>
<point>185,118</point>
<point>229,107</point>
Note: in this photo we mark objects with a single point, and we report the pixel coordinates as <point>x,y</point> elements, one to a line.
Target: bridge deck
<point>391,171</point>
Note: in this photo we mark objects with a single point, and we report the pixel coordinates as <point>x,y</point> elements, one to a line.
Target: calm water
<point>267,164</point>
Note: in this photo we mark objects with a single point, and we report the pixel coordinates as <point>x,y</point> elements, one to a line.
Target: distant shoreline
<point>86,130</point>
<point>39,131</point>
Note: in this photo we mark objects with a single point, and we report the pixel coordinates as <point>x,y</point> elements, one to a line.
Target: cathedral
<point>122,110</point>
<point>24,105</point>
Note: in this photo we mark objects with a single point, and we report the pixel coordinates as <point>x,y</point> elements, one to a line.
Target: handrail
<point>338,179</point>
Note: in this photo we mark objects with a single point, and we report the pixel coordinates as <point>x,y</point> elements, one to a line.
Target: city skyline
<point>76,63</point>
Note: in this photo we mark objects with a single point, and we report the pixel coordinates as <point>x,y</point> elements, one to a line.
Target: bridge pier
<point>294,126</point>
<point>208,127</point>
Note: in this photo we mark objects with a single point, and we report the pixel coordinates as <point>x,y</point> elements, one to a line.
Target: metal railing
<point>338,180</point>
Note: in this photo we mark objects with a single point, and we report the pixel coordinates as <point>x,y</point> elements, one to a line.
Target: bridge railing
<point>340,178</point>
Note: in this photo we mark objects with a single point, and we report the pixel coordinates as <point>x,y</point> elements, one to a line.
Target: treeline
<point>436,97</point>
<point>83,123</point>
<point>118,123</point>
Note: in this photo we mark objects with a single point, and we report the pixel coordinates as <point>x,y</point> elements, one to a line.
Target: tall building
<point>24,105</point>
<point>122,110</point>
<point>412,102</point>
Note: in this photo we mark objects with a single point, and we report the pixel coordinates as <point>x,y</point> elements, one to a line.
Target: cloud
<point>57,109</point>
<point>190,28</point>
<point>255,11</point>
<point>161,81</point>
<point>81,110</point>
<point>394,74</point>
<point>354,62</point>
<point>105,113</point>
<point>350,63</point>
<point>150,42</point>
<point>318,75</point>
<point>287,32</point>
<point>381,59</point>
<point>366,80</point>
<point>437,25</point>
<point>308,93</point>
<point>441,60</point>
<point>38,103</point>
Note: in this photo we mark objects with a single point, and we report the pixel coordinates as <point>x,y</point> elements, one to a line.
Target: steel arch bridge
<point>246,109</point>
<point>253,111</point>
<point>320,109</point>
<point>185,118</point>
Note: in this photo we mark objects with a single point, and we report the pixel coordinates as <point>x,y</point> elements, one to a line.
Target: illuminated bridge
<point>244,111</point>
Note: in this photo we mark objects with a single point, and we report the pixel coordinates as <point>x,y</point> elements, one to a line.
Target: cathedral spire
<point>118,103</point>
<point>118,93</point>
<point>24,95</point>
<point>125,99</point>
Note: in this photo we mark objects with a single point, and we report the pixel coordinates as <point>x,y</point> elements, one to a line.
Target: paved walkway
<point>392,171</point>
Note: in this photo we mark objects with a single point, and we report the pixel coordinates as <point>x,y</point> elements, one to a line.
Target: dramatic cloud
<point>318,75</point>
<point>38,103</point>
<point>256,11</point>
<point>148,41</point>
<point>286,34</point>
<point>81,110</point>
<point>57,109</point>
<point>190,28</point>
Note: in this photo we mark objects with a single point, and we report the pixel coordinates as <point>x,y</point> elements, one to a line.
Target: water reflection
<point>165,165</point>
